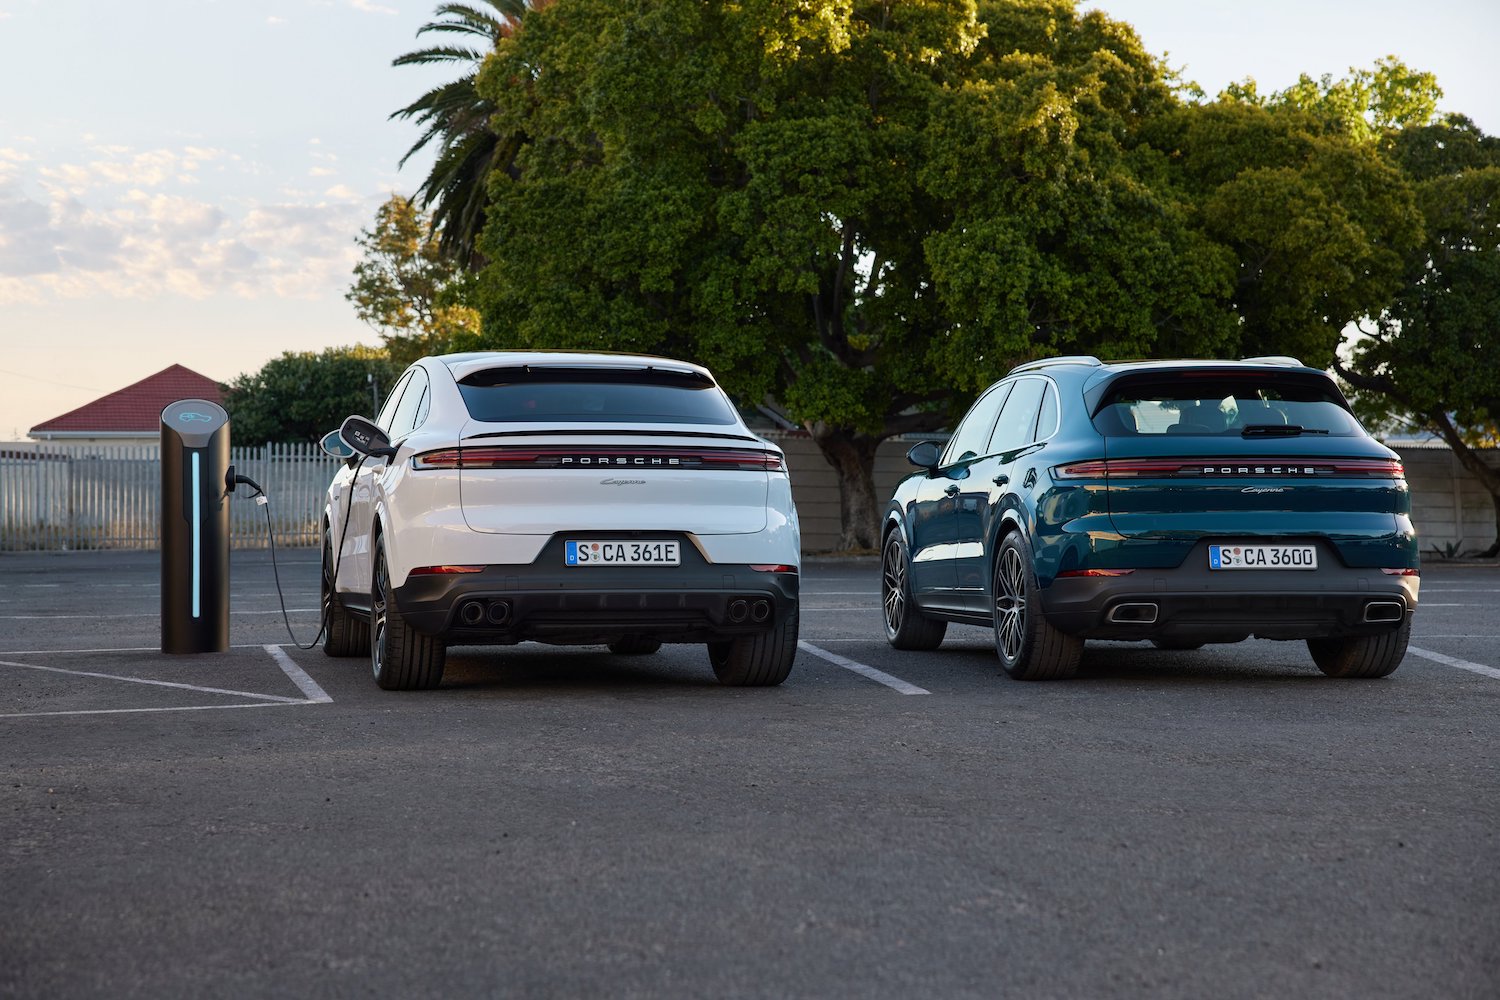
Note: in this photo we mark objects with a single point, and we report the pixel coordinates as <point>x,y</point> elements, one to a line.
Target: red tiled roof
<point>135,408</point>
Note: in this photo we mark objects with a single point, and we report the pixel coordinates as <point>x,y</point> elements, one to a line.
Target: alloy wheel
<point>1010,605</point>
<point>893,583</point>
<point>377,615</point>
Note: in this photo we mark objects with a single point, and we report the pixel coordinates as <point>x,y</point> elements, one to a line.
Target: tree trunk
<point>852,456</point>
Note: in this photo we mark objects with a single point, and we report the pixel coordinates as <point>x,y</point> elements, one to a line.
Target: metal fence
<point>106,496</point>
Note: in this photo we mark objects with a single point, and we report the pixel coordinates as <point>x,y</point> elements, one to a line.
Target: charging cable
<point>233,480</point>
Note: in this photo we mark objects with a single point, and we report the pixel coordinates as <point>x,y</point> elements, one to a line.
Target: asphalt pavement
<point>563,822</point>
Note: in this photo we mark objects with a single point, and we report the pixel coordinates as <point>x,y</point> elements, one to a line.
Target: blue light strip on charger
<point>197,491</point>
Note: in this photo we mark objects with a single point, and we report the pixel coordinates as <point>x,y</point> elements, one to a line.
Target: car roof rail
<point>1071,359</point>
<point>1275,359</point>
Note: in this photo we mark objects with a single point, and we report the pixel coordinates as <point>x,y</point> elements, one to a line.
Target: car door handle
<point>952,491</point>
<point>1001,479</point>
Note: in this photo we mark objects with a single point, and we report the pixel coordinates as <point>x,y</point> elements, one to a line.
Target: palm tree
<point>459,118</point>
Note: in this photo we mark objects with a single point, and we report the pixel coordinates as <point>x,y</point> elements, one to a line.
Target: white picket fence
<point>106,496</point>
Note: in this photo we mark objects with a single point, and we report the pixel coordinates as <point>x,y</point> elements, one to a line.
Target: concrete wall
<point>1449,506</point>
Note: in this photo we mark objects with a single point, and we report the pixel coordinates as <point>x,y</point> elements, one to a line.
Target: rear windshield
<point>594,395</point>
<point>1270,404</point>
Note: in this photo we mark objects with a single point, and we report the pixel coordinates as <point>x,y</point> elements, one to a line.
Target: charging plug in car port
<point>1132,614</point>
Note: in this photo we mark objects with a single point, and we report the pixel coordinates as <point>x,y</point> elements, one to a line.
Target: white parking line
<point>1453,661</point>
<point>174,708</point>
<point>313,694</point>
<point>299,676</point>
<point>150,682</point>
<point>879,676</point>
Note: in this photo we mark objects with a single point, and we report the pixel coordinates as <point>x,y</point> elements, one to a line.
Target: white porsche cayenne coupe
<point>565,498</point>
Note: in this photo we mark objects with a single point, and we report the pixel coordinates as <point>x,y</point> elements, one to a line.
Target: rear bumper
<point>1194,603</point>
<point>547,601</point>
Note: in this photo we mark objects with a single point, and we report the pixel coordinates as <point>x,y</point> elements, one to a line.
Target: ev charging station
<point>196,480</point>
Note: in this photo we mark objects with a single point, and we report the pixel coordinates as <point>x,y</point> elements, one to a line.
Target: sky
<point>182,181</point>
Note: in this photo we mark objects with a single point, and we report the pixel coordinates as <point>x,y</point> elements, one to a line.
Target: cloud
<point>118,165</point>
<point>372,8</point>
<point>123,225</point>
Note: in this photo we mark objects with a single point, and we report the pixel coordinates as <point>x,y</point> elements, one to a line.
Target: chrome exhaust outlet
<point>1384,611</point>
<point>738,610</point>
<point>1132,614</point>
<point>471,613</point>
<point>760,611</point>
<point>499,613</point>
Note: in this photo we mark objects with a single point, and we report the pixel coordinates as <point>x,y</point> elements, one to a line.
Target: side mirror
<point>333,444</point>
<point>364,437</point>
<point>925,455</point>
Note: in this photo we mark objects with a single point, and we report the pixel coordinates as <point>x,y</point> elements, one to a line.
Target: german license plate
<point>1262,557</point>
<point>609,552</point>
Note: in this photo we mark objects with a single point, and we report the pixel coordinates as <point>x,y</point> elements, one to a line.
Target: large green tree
<point>407,290</point>
<point>1318,223</point>
<point>302,395</point>
<point>457,117</point>
<point>868,209</point>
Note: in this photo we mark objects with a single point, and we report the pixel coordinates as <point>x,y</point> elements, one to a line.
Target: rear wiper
<point>1279,430</point>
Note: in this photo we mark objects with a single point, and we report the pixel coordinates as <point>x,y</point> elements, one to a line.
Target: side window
<point>389,409</point>
<point>405,418</point>
<point>1046,424</point>
<point>1018,418</point>
<point>973,432</point>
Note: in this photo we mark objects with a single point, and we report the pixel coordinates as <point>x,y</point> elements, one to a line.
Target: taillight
<point>444,570</point>
<point>1209,468</point>
<point>1095,572</point>
<point>520,457</point>
<point>1402,572</point>
<point>1119,467</point>
<point>773,568</point>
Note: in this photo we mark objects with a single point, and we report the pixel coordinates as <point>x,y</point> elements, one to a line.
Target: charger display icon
<point>188,416</point>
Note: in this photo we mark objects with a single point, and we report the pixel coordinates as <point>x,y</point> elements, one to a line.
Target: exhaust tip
<point>1384,611</point>
<point>1132,614</point>
<point>738,610</point>
<point>499,613</point>
<point>471,613</point>
<point>760,611</point>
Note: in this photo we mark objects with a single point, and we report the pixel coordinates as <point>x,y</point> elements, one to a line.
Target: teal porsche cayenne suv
<point>1177,502</point>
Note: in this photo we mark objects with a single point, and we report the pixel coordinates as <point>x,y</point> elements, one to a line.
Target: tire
<point>635,646</point>
<point>1030,649</point>
<point>1362,656</point>
<point>1180,645</point>
<point>402,658</point>
<point>905,626</point>
<point>762,660</point>
<point>343,633</point>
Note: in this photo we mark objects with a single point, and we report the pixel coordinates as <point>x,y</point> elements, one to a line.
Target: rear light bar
<point>523,457</point>
<point>1209,468</point>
